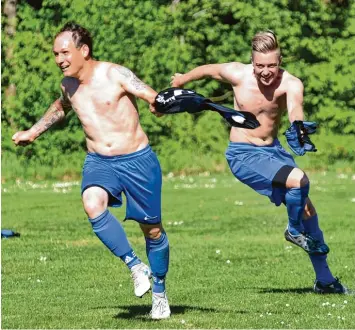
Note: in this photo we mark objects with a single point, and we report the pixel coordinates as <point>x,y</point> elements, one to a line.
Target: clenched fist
<point>176,80</point>
<point>23,138</point>
<point>154,111</point>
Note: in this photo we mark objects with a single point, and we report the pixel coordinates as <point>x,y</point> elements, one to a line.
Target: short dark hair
<point>80,35</point>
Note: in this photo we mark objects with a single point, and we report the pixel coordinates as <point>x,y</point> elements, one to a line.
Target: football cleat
<point>141,275</point>
<point>160,307</point>
<point>311,245</point>
<point>334,287</point>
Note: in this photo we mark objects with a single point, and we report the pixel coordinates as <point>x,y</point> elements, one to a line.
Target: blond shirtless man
<point>257,158</point>
<point>119,157</point>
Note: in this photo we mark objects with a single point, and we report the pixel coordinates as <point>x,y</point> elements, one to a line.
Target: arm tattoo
<point>65,103</point>
<point>53,115</point>
<point>133,79</point>
<point>137,83</point>
<point>124,71</point>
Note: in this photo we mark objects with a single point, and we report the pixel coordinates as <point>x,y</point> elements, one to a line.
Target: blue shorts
<point>257,166</point>
<point>137,175</point>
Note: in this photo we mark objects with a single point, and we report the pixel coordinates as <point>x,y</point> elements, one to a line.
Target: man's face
<point>68,58</point>
<point>266,66</point>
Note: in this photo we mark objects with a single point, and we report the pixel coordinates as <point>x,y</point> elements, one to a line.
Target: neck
<point>85,74</point>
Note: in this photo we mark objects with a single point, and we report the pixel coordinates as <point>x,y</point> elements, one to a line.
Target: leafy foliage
<point>158,38</point>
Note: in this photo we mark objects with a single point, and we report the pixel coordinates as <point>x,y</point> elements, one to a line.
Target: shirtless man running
<point>256,157</point>
<point>119,157</point>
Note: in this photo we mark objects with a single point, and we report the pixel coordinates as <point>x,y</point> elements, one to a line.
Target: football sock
<point>158,256</point>
<point>295,202</point>
<point>319,262</point>
<point>111,233</point>
<point>130,259</point>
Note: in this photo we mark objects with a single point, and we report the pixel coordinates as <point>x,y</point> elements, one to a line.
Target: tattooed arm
<point>132,84</point>
<point>55,113</point>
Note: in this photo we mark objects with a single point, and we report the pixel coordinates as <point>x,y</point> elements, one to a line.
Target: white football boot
<point>160,307</point>
<point>141,275</point>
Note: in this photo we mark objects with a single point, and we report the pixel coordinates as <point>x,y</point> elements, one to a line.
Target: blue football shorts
<point>257,166</point>
<point>138,175</point>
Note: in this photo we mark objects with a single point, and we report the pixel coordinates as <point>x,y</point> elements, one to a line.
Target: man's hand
<point>176,80</point>
<point>298,139</point>
<point>23,138</point>
<point>154,111</point>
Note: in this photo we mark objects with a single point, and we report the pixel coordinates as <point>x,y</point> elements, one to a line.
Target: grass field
<point>230,266</point>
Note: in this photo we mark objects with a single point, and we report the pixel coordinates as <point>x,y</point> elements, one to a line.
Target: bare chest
<point>97,99</point>
<point>270,103</point>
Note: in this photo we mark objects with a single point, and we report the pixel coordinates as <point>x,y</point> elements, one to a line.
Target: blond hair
<point>265,42</point>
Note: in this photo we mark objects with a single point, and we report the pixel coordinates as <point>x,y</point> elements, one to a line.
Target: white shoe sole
<point>161,317</point>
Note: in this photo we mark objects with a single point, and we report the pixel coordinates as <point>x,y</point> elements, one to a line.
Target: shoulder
<point>118,72</point>
<point>113,68</point>
<point>234,71</point>
<point>291,82</point>
<point>235,66</point>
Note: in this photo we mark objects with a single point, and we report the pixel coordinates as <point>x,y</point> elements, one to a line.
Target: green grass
<point>58,274</point>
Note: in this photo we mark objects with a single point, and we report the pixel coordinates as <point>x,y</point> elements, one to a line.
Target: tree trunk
<point>10,30</point>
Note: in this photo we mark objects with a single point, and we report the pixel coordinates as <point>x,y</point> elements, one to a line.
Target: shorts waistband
<point>124,157</point>
<point>276,142</point>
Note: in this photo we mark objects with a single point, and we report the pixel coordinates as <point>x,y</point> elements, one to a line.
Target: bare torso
<point>267,104</point>
<point>108,114</point>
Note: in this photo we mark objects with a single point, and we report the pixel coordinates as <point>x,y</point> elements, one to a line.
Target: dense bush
<point>158,38</point>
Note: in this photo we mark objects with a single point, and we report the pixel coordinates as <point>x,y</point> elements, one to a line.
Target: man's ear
<point>85,50</point>
<point>280,60</point>
<point>251,59</point>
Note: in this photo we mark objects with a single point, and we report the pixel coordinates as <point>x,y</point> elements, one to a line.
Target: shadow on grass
<point>141,312</point>
<point>293,290</point>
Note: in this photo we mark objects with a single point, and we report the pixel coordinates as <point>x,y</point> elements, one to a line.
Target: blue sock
<point>295,202</point>
<point>111,233</point>
<point>319,262</point>
<point>158,256</point>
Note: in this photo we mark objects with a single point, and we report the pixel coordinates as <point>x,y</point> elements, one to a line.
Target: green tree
<point>158,38</point>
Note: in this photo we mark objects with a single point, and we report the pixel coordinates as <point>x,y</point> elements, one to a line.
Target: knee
<point>297,179</point>
<point>152,231</point>
<point>94,202</point>
<point>298,194</point>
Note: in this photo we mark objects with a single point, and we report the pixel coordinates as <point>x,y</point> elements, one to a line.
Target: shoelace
<point>160,305</point>
<point>303,240</point>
